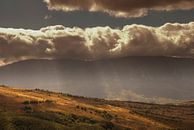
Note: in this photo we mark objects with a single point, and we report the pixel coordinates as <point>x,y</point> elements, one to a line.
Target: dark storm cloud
<point>59,42</point>
<point>34,14</point>
<point>120,8</point>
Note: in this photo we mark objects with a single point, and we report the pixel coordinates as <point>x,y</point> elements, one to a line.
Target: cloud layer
<point>128,95</point>
<point>59,42</point>
<point>120,8</point>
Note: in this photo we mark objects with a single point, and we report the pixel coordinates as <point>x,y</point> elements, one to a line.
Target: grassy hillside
<point>44,110</point>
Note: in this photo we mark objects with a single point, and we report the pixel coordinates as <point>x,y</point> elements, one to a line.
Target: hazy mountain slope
<point>130,78</point>
<point>43,110</point>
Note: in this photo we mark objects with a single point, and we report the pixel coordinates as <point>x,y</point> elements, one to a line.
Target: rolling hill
<point>24,109</point>
<point>147,79</point>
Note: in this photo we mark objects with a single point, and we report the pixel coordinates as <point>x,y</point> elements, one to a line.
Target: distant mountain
<point>129,78</point>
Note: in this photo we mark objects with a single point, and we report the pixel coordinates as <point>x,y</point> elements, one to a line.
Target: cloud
<point>128,95</point>
<point>46,17</point>
<point>120,8</point>
<point>59,42</point>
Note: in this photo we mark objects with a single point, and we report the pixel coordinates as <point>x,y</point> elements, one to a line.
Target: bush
<point>26,102</point>
<point>27,109</point>
<point>34,102</point>
<point>48,101</point>
<point>3,86</point>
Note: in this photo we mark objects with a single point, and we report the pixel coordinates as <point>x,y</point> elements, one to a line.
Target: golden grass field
<point>43,110</point>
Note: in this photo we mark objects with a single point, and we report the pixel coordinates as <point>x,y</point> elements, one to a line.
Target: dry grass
<point>134,116</point>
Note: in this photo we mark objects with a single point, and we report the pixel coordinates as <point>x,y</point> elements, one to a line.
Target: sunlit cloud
<point>120,8</point>
<point>126,95</point>
<point>47,17</point>
<point>59,42</point>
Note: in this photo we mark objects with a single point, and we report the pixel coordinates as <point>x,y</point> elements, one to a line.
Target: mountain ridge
<point>151,77</point>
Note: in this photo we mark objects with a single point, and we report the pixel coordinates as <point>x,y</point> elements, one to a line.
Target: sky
<point>34,14</point>
<point>95,29</point>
